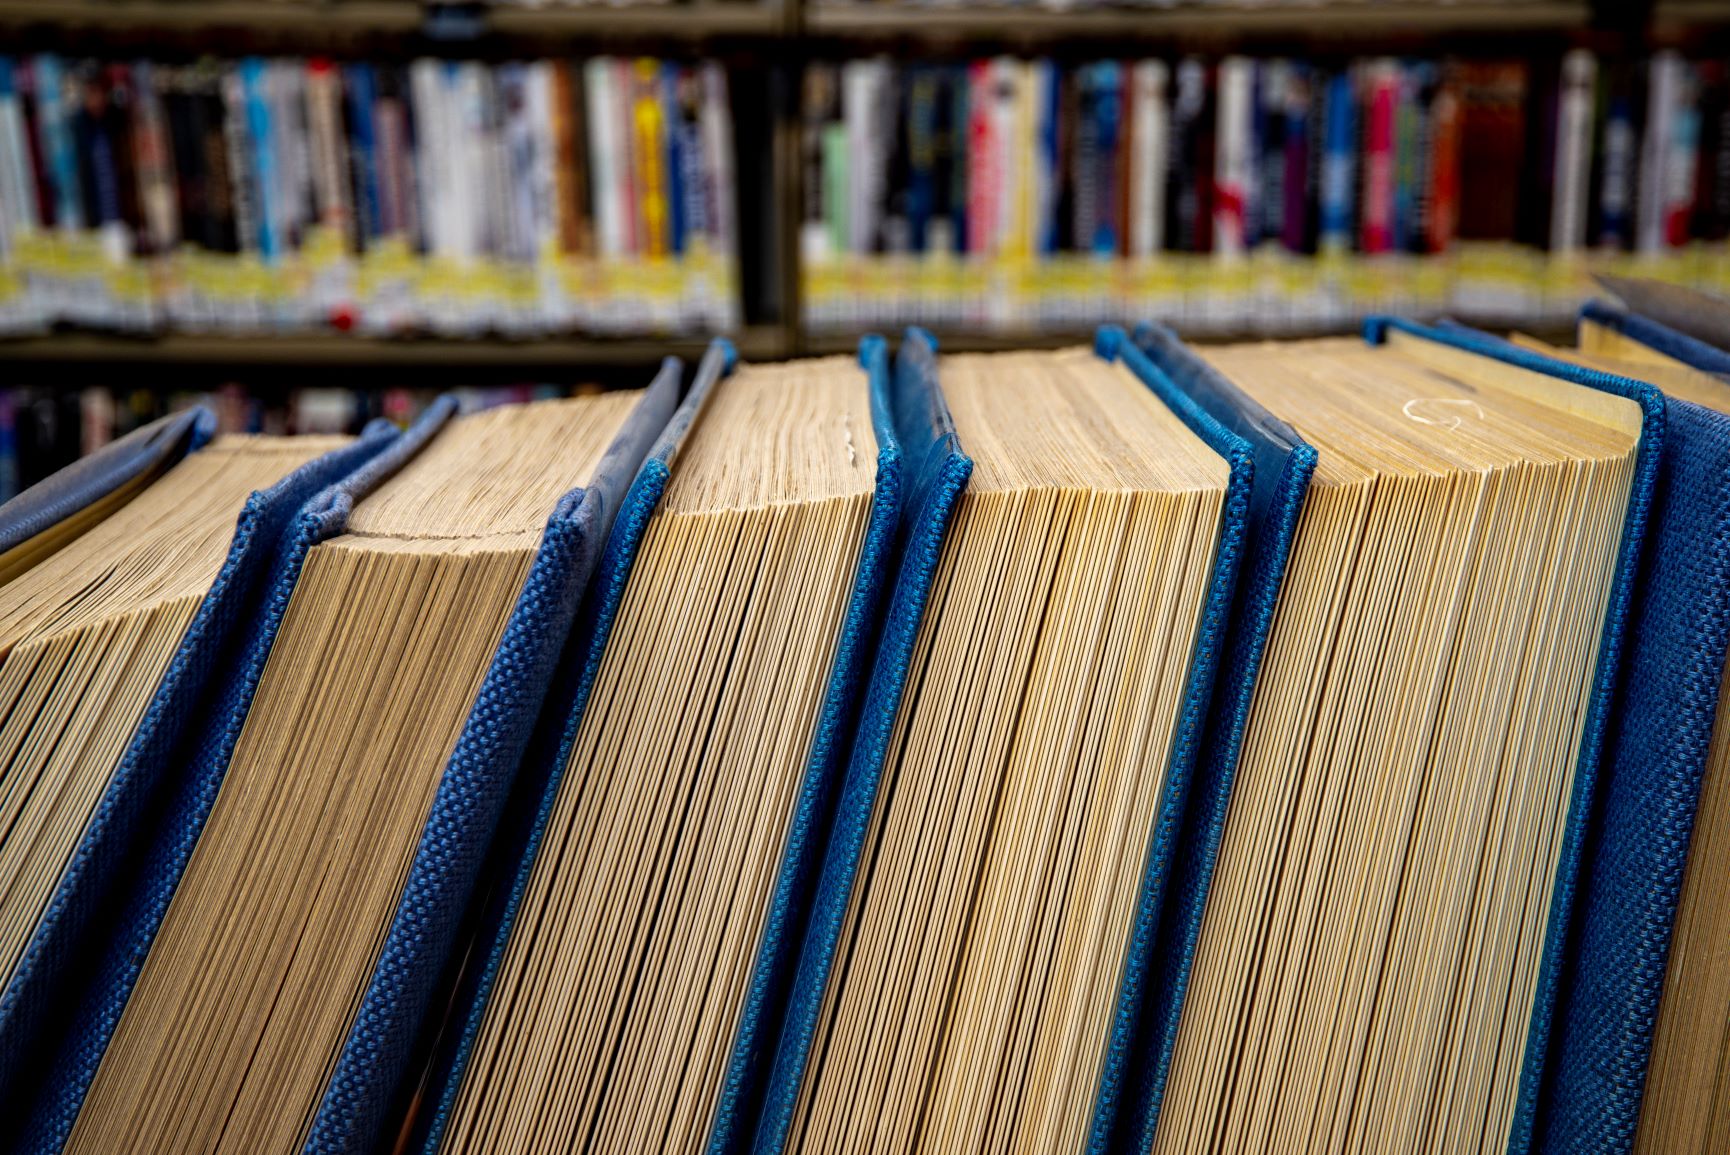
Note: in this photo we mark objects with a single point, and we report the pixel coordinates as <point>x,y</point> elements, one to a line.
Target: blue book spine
<point>921,154</point>
<point>253,78</point>
<point>59,153</point>
<point>1049,112</point>
<point>667,88</point>
<point>360,89</point>
<point>1108,114</point>
<point>1339,165</point>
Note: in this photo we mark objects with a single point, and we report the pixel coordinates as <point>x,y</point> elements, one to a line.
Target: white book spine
<point>426,85</point>
<point>17,194</point>
<point>543,193</point>
<point>718,159</point>
<point>1151,124</point>
<point>1573,152</point>
<point>859,105</point>
<point>1662,97</point>
<point>1232,160</point>
<point>604,157</point>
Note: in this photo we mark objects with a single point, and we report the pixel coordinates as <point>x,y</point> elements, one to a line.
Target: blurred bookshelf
<point>779,295</point>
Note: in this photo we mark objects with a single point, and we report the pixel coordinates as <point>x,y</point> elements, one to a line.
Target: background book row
<point>454,196</point>
<point>1001,173</point>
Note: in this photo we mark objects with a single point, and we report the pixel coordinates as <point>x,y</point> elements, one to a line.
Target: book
<point>1395,927</point>
<point>1045,1018</point>
<point>513,584</point>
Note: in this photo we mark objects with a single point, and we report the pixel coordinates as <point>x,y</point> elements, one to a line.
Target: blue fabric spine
<point>472,793</point>
<point>760,1019</point>
<point>1110,1112</point>
<point>524,822</point>
<point>1648,455</point>
<point>1691,351</point>
<point>935,472</point>
<point>90,479</point>
<point>154,810</point>
<point>1659,732</point>
<point>1284,463</point>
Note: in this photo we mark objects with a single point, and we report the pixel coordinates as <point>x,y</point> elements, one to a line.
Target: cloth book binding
<point>1283,464</point>
<point>935,472</point>
<point>141,454</point>
<point>1661,338</point>
<point>1660,730</point>
<point>1117,1098</point>
<point>476,785</point>
<point>523,821</point>
<point>73,981</point>
<point>1572,867</point>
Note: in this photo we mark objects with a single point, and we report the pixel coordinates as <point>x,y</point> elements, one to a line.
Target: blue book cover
<point>1655,755</point>
<point>935,472</point>
<point>1337,202</point>
<point>360,90</point>
<point>63,1002</point>
<point>1283,465</point>
<point>378,1061</point>
<point>1596,769</point>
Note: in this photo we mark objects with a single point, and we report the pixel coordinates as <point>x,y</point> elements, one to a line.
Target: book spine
<point>1618,175</point>
<point>154,161</point>
<point>1152,131</point>
<point>1662,111</point>
<point>1108,109</point>
<point>1007,136</point>
<point>626,171</point>
<point>1411,152</point>
<point>1298,182</point>
<point>1443,170</point>
<point>859,110</point>
<point>1232,163</point>
<point>982,153</point>
<point>820,109</point>
<point>1046,107</point>
<point>360,96</point>
<point>1573,152</point>
<point>55,94</point>
<point>610,236</point>
<point>17,178</point>
<point>1273,82</point>
<point>331,182</point>
<point>1381,93</point>
<point>1682,158</point>
<point>239,155</point>
<point>650,151</point>
<point>717,129</point>
<point>921,154</point>
<point>1339,165</point>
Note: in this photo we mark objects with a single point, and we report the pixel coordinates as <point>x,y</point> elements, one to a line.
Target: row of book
<point>1275,746</point>
<point>457,197</point>
<point>1243,193</point>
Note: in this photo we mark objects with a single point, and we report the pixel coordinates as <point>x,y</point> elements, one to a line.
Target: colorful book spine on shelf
<point>1485,188</point>
<point>285,194</point>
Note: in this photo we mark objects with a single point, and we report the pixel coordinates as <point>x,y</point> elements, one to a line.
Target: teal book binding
<point>82,961</point>
<point>936,472</point>
<point>1597,750</point>
<point>378,1061</point>
<point>1655,749</point>
<point>1284,463</point>
<point>145,451</point>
